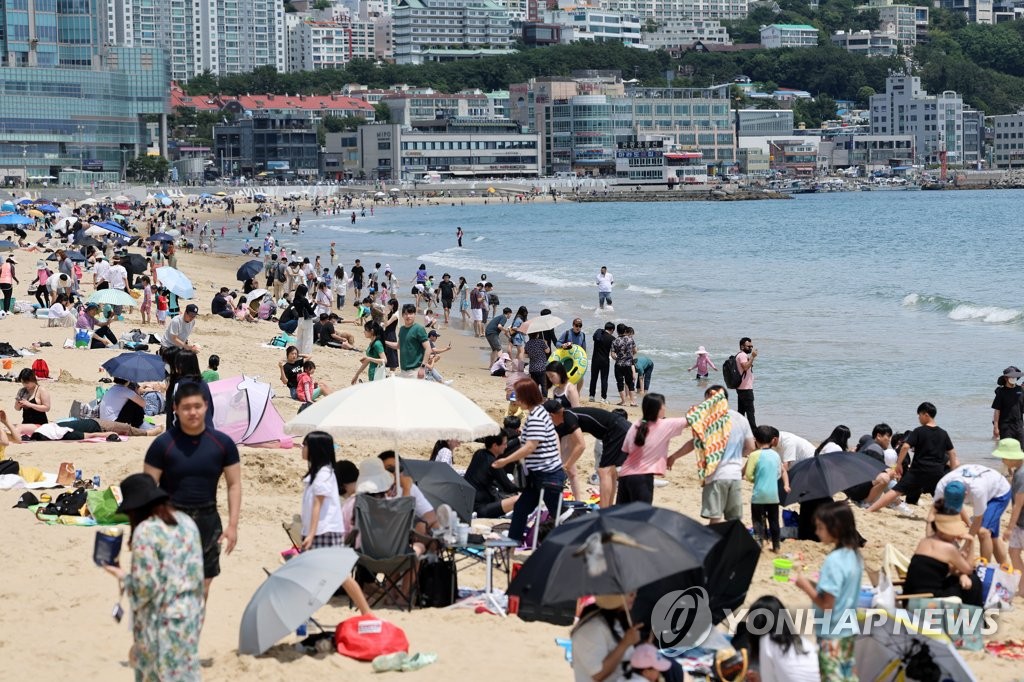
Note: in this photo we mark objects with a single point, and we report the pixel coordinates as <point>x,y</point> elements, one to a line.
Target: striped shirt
<point>540,428</point>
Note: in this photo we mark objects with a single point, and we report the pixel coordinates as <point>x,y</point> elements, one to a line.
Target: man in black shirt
<point>187,461</point>
<point>447,289</point>
<point>495,493</point>
<point>221,305</point>
<point>607,427</point>
<point>599,360</point>
<point>934,455</point>
<point>357,279</point>
<point>1007,420</point>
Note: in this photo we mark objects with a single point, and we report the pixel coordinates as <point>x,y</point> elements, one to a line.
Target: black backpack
<point>731,373</point>
<point>438,585</point>
<point>280,274</point>
<point>68,504</point>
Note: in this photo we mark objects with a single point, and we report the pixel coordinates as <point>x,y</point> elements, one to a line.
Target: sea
<point>862,305</point>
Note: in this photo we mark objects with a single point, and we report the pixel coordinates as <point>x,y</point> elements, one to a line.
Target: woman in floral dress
<point>165,585</point>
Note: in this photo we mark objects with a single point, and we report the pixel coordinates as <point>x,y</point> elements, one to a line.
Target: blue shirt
<point>570,336</point>
<point>766,478</point>
<point>840,577</point>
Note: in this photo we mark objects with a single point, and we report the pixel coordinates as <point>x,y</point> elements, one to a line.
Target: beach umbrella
<point>824,475</point>
<point>47,208</point>
<point>440,483</point>
<point>160,237</point>
<point>134,263</point>
<point>255,295</point>
<point>83,240</point>
<point>396,408</point>
<point>166,201</point>
<point>726,575</point>
<point>888,649</point>
<point>33,213</point>
<point>249,270</point>
<point>176,282</point>
<point>137,366</point>
<point>221,194</point>
<point>7,245</point>
<point>291,594</point>
<point>394,190</point>
<point>24,201</point>
<point>112,297</point>
<point>122,198</point>
<point>7,206</point>
<point>16,219</point>
<point>613,551</point>
<point>541,323</point>
<point>380,195</point>
<point>112,227</point>
<point>205,195</point>
<point>75,256</point>
<point>88,202</point>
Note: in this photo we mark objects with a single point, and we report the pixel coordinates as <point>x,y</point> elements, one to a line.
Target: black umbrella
<point>160,237</point>
<point>725,575</point>
<point>640,544</point>
<point>824,475</point>
<point>442,485</point>
<point>249,270</point>
<point>134,263</point>
<point>136,366</point>
<point>82,239</point>
<point>75,256</point>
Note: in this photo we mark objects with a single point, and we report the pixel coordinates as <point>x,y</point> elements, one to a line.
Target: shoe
<point>660,483</point>
<point>389,662</point>
<point>417,661</point>
<point>905,511</point>
<point>592,399</point>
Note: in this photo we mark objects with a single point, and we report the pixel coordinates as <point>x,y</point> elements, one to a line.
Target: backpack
<point>41,369</point>
<point>731,373</point>
<point>280,273</point>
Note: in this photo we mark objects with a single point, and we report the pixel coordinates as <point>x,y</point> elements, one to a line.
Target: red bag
<point>41,369</point>
<point>364,638</point>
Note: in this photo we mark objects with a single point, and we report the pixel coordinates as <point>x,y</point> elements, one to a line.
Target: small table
<point>488,598</point>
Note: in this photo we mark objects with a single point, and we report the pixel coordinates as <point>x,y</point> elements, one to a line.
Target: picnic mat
<point>1012,649</point>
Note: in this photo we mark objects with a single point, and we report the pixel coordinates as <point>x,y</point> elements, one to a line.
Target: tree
<point>382,113</point>
<point>864,95</point>
<point>148,168</point>
<point>811,112</point>
<point>322,4</point>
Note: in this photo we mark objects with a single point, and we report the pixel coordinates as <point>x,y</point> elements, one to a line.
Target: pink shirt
<point>650,458</point>
<point>748,376</point>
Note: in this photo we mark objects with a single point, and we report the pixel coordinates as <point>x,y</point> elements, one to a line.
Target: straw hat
<point>610,602</point>
<point>950,524</point>
<point>373,477</point>
<point>1008,448</point>
<point>701,350</point>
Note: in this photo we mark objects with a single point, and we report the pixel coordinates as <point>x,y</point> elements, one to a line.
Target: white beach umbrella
<point>255,295</point>
<point>398,409</point>
<point>541,323</point>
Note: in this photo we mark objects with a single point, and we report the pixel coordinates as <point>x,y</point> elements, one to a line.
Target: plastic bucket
<point>782,569</point>
<point>8,363</point>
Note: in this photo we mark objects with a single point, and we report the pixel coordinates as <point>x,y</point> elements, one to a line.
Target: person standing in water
<point>458,235</point>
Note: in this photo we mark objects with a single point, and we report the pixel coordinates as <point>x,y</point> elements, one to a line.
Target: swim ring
<point>574,360</point>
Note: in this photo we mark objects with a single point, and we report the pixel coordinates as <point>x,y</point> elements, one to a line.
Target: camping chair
<point>385,552</point>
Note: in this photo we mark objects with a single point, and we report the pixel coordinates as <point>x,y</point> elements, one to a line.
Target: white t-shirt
<point>444,455</point>
<point>591,643</point>
<point>730,467</point>
<point>605,282</point>
<point>423,505</point>
<point>829,447</point>
<point>793,448</point>
<point>983,485</point>
<point>102,271</point>
<point>117,276</point>
<point>114,401</point>
<point>791,666</point>
<point>324,484</point>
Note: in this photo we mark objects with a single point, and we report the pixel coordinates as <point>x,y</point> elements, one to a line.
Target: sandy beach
<point>57,604</point>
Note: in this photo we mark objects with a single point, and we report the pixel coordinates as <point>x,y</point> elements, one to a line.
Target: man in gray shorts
<point>495,328</point>
<point>721,498</point>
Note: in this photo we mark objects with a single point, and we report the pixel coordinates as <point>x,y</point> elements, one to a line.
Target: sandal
<point>113,438</point>
<point>83,483</point>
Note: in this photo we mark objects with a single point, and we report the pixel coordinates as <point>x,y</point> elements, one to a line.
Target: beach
<point>57,604</point>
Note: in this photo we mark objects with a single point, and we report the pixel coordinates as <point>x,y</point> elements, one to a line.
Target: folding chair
<point>385,527</point>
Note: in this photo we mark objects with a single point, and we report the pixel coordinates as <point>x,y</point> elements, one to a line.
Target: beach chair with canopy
<point>385,527</point>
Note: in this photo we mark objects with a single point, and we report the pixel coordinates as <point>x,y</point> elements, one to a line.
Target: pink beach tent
<point>243,410</point>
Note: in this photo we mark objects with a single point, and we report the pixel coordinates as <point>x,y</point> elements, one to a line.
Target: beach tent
<point>242,409</point>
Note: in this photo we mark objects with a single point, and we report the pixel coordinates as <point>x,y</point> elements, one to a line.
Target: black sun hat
<point>138,491</point>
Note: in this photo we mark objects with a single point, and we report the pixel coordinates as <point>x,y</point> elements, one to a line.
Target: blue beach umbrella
<point>175,281</point>
<point>24,201</point>
<point>47,208</point>
<point>249,270</point>
<point>137,366</point>
<point>7,206</point>
<point>16,219</point>
<point>160,237</point>
<point>112,227</point>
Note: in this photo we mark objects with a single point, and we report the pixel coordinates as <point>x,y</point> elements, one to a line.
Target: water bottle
<point>301,630</point>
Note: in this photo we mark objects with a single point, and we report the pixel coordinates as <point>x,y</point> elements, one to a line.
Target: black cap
<point>192,309</point>
<point>25,501</point>
<point>553,406</point>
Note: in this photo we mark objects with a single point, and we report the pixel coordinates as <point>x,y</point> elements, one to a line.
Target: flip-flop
<point>417,661</point>
<point>390,662</point>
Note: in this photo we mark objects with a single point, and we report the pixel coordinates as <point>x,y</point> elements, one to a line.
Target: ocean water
<point>861,305</point>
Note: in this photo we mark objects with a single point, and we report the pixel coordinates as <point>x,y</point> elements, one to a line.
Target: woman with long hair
<point>305,315</point>
<point>339,285</point>
<point>517,340</point>
<point>646,448</point>
<point>321,502</point>
<point>837,441</point>
<point>463,293</point>
<point>562,389</point>
<point>164,584</point>
<point>444,450</point>
<point>776,645</point>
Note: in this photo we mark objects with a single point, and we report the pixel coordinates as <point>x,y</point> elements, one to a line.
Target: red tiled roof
<point>302,102</point>
<point>201,102</point>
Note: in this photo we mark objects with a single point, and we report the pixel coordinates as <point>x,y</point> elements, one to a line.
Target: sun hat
<point>25,501</point>
<point>373,477</point>
<point>1012,372</point>
<point>137,491</point>
<point>953,497</point>
<point>950,524</point>
<point>40,264</point>
<point>1008,448</point>
<point>192,309</point>
<point>645,656</point>
<point>610,602</point>
<point>701,351</point>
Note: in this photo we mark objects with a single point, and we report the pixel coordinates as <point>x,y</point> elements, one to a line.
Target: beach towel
<point>12,482</point>
<point>711,426</point>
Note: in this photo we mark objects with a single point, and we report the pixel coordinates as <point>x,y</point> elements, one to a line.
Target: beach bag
<point>985,574</point>
<point>8,351</point>
<point>103,507</point>
<point>1005,581</point>
<point>364,638</point>
<point>10,467</point>
<point>81,338</point>
<point>279,341</point>
<point>72,503</point>
<point>381,373</point>
<point>790,525</point>
<point>731,373</point>
<point>41,369</point>
<point>438,585</point>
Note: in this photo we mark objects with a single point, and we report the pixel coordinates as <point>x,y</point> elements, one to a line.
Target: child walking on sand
<point>162,304</point>
<point>765,470</point>
<point>835,596</point>
<point>702,364</point>
<point>147,299</point>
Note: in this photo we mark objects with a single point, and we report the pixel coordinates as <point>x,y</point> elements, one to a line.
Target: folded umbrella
<point>442,485</point>
<point>249,270</point>
<point>112,297</point>
<point>175,281</point>
<point>291,594</point>
<point>613,551</point>
<point>825,475</point>
<point>136,366</point>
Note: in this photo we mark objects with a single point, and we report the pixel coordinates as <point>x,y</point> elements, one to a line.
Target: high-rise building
<point>666,10</point>
<point>909,23</point>
<point>220,36</point>
<point>447,30</point>
<point>935,121</point>
<point>53,33</point>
